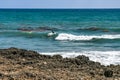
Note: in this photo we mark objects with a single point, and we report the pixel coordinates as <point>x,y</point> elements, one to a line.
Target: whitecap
<point>71,37</point>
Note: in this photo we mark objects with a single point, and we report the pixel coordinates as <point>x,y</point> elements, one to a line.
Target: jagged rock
<point>57,56</point>
<point>108,73</point>
<point>22,64</point>
<point>82,57</point>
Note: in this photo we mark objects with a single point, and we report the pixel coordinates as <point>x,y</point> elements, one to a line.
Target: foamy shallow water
<point>104,57</point>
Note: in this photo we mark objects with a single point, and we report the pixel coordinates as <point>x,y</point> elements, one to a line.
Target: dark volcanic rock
<point>1,74</point>
<point>20,64</point>
<point>57,56</point>
<point>82,57</point>
<point>108,73</point>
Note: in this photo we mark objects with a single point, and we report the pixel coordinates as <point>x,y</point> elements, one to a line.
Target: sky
<point>59,3</point>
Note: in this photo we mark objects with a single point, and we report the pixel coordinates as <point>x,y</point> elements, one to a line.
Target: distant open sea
<point>91,32</point>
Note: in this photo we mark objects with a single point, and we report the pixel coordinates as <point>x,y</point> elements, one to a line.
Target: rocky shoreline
<point>20,64</point>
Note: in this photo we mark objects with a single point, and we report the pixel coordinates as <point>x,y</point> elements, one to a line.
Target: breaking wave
<point>71,37</point>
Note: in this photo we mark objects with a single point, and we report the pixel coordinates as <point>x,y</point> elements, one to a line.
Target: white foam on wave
<point>51,34</point>
<point>104,57</point>
<point>65,36</point>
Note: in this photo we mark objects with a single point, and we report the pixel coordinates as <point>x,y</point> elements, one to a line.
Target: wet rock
<point>82,57</point>
<point>72,61</point>
<point>45,57</point>
<point>108,73</point>
<point>78,62</point>
<point>57,56</point>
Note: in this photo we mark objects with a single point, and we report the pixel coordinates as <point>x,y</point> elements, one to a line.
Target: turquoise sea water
<point>91,32</point>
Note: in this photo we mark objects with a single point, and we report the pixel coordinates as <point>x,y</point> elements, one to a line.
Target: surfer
<point>51,33</point>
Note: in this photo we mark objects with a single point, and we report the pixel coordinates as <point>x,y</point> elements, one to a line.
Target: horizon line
<point>59,8</point>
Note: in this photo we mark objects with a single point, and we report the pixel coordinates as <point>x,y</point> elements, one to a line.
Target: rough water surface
<point>68,32</point>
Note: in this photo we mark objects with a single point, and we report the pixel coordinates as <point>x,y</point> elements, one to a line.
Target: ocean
<point>69,32</point>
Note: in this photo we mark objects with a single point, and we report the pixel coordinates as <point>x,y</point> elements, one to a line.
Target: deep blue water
<point>91,32</point>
